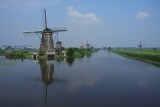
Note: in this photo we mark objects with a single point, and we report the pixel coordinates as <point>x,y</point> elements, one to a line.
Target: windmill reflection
<point>47,71</point>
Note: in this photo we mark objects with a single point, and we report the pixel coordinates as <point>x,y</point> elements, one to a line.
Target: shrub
<point>70,52</point>
<point>41,53</point>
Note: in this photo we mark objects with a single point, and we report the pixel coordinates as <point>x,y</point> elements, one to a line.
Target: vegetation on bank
<point>78,52</point>
<point>148,55</point>
<point>2,52</point>
<point>70,52</point>
<point>15,54</point>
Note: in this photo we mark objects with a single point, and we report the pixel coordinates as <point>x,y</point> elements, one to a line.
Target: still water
<point>101,80</point>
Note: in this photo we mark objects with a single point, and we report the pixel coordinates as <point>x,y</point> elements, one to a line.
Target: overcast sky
<point>115,23</point>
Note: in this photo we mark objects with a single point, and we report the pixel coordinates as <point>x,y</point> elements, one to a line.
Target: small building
<point>64,53</point>
<point>34,55</point>
<point>59,44</point>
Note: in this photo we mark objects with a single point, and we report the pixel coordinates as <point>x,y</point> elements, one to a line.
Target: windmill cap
<point>58,42</point>
<point>47,30</point>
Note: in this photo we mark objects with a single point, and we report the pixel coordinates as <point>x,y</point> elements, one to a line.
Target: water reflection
<point>102,80</point>
<point>78,79</point>
<point>88,55</point>
<point>70,61</point>
<point>47,71</point>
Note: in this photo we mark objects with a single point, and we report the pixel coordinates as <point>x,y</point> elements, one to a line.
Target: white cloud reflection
<point>80,79</point>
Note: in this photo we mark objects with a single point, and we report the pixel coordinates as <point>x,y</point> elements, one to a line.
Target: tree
<point>8,48</point>
<point>70,52</point>
<point>109,48</point>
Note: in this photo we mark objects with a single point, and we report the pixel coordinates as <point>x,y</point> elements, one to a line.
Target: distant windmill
<point>140,46</point>
<point>47,43</point>
<point>87,45</point>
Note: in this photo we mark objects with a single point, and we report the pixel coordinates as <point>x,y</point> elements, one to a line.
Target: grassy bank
<point>21,54</point>
<point>151,56</point>
<point>78,52</point>
<point>15,54</point>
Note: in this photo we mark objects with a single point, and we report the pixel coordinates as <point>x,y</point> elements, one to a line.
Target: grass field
<point>147,55</point>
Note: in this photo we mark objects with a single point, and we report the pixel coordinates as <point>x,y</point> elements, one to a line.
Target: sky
<point>103,23</point>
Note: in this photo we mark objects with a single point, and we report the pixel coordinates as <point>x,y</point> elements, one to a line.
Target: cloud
<point>78,17</point>
<point>143,15</point>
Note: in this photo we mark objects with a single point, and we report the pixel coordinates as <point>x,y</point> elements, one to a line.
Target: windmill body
<point>140,46</point>
<point>47,43</point>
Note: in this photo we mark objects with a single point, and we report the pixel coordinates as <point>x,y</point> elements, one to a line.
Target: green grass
<point>151,56</point>
<point>17,54</point>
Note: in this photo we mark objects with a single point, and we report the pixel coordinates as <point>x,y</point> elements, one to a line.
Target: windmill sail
<point>60,29</point>
<point>45,18</point>
<point>34,32</point>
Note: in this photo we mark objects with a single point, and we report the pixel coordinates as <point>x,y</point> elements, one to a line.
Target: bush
<point>70,52</point>
<point>41,53</point>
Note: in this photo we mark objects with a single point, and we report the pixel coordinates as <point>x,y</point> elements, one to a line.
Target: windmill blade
<point>33,79</point>
<point>45,18</point>
<point>56,36</point>
<point>59,81</point>
<point>34,32</point>
<point>60,29</point>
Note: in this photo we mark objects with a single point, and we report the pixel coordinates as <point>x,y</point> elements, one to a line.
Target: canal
<point>103,79</point>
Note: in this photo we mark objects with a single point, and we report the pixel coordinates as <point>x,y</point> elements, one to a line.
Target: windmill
<point>47,43</point>
<point>140,46</point>
<point>87,45</point>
